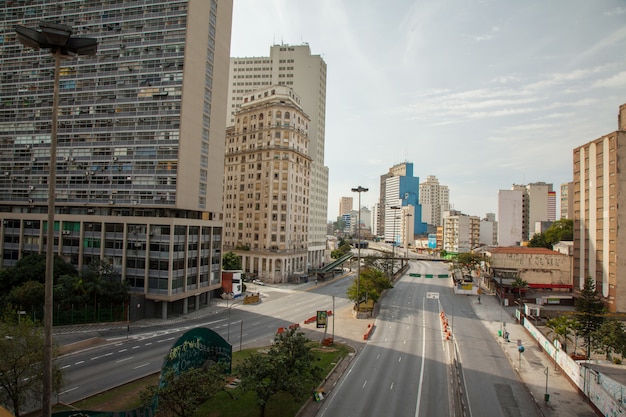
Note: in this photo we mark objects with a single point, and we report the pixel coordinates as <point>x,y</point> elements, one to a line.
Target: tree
<point>100,280</point>
<point>609,338</point>
<point>180,395</point>
<point>561,327</point>
<point>560,230</point>
<point>469,261</point>
<point>286,367</point>
<point>231,262</point>
<point>518,285</point>
<point>589,312</point>
<point>371,285</point>
<point>21,362</point>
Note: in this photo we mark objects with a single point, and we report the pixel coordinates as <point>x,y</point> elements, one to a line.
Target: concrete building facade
<point>346,205</point>
<point>140,152</point>
<point>599,215</point>
<point>567,200</point>
<point>293,66</point>
<point>510,217</point>
<point>461,233</point>
<point>267,185</point>
<point>435,200</point>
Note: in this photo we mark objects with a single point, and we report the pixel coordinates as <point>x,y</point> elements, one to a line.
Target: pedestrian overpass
<point>323,272</point>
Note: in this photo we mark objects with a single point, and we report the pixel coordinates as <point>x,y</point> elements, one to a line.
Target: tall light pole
<point>56,38</point>
<point>359,190</point>
<point>406,234</point>
<point>393,244</point>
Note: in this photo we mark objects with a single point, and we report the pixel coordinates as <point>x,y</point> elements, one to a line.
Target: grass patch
<point>126,397</point>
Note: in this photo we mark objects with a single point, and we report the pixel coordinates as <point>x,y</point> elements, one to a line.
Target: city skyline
<point>502,96</point>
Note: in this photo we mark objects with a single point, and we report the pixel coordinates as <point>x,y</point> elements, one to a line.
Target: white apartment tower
<point>295,67</point>
<point>461,233</point>
<point>510,217</point>
<point>539,205</point>
<point>435,200</point>
<point>266,185</point>
<point>140,154</point>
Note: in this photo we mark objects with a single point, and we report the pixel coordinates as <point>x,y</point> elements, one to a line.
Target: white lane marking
<point>102,356</point>
<point>122,350</point>
<point>141,366</point>
<point>421,381</point>
<point>79,362</point>
<point>66,366</point>
<point>67,390</point>
<point>125,359</point>
<point>165,340</point>
<point>135,347</point>
<point>400,359</point>
<point>364,384</point>
<point>391,388</point>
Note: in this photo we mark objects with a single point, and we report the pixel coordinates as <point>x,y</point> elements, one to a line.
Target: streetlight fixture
<point>406,233</point>
<point>57,38</point>
<point>359,190</point>
<point>393,244</point>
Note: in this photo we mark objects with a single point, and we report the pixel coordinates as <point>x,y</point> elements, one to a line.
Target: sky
<point>482,94</point>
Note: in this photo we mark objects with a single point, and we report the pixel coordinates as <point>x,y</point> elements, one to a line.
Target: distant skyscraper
<point>345,205</point>
<point>266,185</point>
<point>140,152</point>
<point>599,215</point>
<point>295,67</point>
<point>435,200</point>
<point>461,233</point>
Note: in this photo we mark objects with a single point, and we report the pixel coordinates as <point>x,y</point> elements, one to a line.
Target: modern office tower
<point>461,233</point>
<point>140,155</point>
<point>435,200</point>
<point>266,185</point>
<point>599,215</point>
<point>364,226</point>
<point>404,169</point>
<point>489,230</point>
<point>567,200</point>
<point>295,67</point>
<point>402,192</point>
<point>510,217</point>
<point>345,205</point>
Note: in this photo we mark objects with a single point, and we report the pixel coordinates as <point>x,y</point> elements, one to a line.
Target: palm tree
<point>561,327</point>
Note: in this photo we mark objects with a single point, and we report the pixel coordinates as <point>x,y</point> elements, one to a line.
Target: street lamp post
<point>406,234</point>
<point>393,243</point>
<point>359,190</point>
<point>56,38</point>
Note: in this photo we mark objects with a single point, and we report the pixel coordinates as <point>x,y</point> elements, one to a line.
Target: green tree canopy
<point>286,367</point>
<point>561,327</point>
<point>21,362</point>
<point>610,338</point>
<point>180,395</point>
<point>589,312</point>
<point>560,230</point>
<point>371,285</point>
<point>231,261</point>
<point>469,261</point>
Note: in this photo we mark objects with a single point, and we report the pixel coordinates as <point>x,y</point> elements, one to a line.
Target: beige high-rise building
<point>266,185</point>
<point>345,205</point>
<point>567,200</point>
<point>140,155</point>
<point>435,200</point>
<point>293,66</point>
<point>461,233</point>
<point>600,215</point>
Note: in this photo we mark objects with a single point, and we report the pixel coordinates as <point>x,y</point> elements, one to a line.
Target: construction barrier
<point>369,331</point>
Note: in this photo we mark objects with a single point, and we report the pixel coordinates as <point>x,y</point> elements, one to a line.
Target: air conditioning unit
<point>115,158</point>
<point>67,158</point>
<point>111,202</point>
<point>91,211</point>
<point>66,232</point>
<point>31,187</point>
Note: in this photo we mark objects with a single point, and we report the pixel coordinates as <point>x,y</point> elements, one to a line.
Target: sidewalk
<point>564,399</point>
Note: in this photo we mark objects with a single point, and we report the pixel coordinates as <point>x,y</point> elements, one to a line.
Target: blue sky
<point>481,94</point>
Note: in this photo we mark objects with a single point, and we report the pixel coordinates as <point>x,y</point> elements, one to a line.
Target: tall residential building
<point>489,230</point>
<point>435,200</point>
<point>140,152</point>
<point>345,205</point>
<point>374,219</point>
<point>567,200</point>
<point>266,185</point>
<point>461,233</point>
<point>510,217</point>
<point>295,67</point>
<point>600,217</point>
<point>539,205</point>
